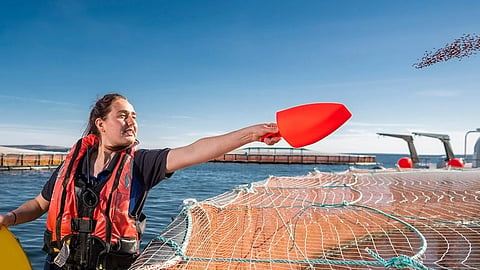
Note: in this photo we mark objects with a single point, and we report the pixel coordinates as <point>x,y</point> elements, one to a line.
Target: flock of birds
<point>465,46</point>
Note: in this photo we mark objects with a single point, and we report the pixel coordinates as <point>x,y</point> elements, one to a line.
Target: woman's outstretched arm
<point>208,148</point>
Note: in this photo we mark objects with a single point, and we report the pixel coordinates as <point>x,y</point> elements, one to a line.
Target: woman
<point>95,198</point>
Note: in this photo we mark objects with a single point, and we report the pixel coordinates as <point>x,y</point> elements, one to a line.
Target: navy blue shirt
<point>149,169</point>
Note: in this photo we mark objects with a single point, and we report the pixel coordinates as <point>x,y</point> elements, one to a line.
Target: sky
<point>201,68</point>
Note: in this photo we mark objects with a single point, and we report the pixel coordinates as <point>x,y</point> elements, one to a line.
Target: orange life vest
<point>107,218</point>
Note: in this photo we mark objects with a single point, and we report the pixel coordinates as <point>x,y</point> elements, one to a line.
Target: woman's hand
<point>7,219</point>
<point>267,133</point>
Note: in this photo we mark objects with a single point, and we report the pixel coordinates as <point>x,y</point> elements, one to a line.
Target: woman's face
<point>119,129</point>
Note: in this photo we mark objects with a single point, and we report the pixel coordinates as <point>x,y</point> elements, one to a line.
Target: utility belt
<point>95,254</point>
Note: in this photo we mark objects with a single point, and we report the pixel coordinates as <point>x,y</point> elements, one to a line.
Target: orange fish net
<point>418,219</point>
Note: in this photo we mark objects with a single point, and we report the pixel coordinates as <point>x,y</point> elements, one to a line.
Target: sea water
<point>165,200</point>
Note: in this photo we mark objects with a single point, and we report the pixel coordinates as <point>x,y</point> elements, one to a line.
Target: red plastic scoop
<point>306,124</point>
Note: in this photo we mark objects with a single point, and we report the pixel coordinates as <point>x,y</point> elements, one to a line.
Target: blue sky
<point>200,68</point>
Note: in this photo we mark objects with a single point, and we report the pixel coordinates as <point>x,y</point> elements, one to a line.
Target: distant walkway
<point>22,159</point>
<point>280,155</point>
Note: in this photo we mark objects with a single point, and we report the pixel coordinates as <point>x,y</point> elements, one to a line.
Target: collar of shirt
<point>103,175</point>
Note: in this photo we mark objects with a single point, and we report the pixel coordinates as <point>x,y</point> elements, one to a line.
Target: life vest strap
<point>83,225</point>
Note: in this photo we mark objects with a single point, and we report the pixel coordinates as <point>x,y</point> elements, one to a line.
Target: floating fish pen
<point>292,156</point>
<point>21,161</point>
<point>358,219</point>
<point>27,161</point>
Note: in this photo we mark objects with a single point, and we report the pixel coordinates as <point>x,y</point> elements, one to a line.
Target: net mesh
<point>353,220</point>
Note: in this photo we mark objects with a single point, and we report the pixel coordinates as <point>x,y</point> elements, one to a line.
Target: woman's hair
<point>100,110</point>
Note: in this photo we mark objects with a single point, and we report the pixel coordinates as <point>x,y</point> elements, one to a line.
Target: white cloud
<point>181,117</point>
<point>35,100</point>
<point>23,134</point>
<point>438,93</point>
<point>371,124</point>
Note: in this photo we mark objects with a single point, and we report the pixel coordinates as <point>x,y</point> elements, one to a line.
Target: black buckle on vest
<point>83,225</point>
<point>90,198</point>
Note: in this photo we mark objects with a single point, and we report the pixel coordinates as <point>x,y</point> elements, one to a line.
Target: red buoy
<point>405,162</point>
<point>455,162</point>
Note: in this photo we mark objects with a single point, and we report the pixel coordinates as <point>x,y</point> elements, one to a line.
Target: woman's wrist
<point>14,217</point>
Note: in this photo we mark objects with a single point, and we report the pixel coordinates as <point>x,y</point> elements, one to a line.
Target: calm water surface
<point>164,202</point>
